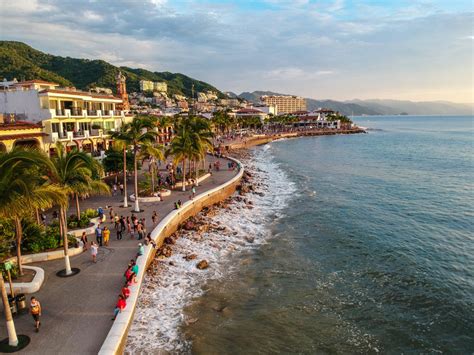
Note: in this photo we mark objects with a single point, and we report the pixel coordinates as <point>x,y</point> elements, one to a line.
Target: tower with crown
<point>122,91</point>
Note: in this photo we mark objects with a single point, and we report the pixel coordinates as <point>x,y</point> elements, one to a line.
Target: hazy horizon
<point>418,50</point>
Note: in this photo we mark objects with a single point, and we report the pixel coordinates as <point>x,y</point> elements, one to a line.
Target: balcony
<point>92,113</point>
<point>76,111</point>
<point>96,132</point>
<point>79,134</point>
<point>59,112</point>
<point>117,113</point>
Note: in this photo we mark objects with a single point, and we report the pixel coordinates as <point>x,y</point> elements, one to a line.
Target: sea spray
<point>172,283</point>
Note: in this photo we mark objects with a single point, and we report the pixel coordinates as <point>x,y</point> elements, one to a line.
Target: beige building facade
<point>284,103</point>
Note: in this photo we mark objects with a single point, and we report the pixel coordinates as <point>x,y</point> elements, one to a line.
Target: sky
<point>324,49</point>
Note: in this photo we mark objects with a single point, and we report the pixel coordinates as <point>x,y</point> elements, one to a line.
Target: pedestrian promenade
<point>77,311</point>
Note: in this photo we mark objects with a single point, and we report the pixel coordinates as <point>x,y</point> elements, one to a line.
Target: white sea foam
<point>170,288</point>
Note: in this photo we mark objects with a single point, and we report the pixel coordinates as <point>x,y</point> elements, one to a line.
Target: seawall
<point>117,337</point>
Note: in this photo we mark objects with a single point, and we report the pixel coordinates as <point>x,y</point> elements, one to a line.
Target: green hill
<point>18,60</point>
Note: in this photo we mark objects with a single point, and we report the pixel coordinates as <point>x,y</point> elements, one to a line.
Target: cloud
<point>349,48</point>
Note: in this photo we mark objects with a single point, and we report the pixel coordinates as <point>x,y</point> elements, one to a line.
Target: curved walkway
<point>77,311</point>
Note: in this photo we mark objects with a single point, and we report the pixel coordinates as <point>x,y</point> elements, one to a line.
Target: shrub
<point>49,239</point>
<point>83,222</point>
<point>91,213</point>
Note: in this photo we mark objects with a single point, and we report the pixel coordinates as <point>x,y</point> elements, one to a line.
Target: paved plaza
<point>77,311</point>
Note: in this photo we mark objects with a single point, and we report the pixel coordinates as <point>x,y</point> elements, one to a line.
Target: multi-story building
<point>159,86</point>
<point>146,85</point>
<point>285,104</point>
<point>75,118</point>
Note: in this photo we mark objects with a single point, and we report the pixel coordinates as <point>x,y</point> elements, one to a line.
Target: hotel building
<point>73,117</point>
<point>285,104</point>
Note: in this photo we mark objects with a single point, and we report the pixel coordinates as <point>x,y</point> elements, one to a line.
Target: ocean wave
<point>172,283</point>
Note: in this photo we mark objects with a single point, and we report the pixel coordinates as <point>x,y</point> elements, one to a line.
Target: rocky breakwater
<point>203,248</point>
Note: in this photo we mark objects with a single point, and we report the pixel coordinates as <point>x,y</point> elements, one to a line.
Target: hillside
<point>18,60</point>
<point>378,107</point>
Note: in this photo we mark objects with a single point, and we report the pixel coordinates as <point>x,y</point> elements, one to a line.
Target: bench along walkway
<point>77,311</point>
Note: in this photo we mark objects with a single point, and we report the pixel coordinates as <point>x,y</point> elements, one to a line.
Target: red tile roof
<point>18,125</point>
<point>22,135</point>
<point>249,110</point>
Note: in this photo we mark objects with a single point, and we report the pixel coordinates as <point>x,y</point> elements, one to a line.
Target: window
<point>55,127</point>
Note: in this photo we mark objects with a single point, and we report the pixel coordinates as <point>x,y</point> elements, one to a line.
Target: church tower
<point>122,91</point>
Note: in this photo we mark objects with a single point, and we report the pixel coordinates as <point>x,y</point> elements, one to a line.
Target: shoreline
<point>262,139</point>
<point>173,280</point>
<point>116,339</point>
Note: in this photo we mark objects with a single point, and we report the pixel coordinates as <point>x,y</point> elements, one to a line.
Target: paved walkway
<point>77,311</point>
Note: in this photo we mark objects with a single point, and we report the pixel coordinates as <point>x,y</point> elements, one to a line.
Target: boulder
<point>190,257</point>
<point>250,239</point>
<point>203,264</point>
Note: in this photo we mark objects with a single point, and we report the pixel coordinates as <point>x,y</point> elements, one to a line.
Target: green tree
<point>73,171</point>
<point>23,187</point>
<point>153,152</point>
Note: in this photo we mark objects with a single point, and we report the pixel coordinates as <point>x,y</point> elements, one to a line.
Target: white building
<point>67,115</point>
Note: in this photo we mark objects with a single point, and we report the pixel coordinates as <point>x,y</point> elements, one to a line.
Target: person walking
<point>193,191</point>
<point>140,231</point>
<point>114,192</point>
<point>117,221</point>
<point>154,217</point>
<point>35,310</point>
<point>122,223</point>
<point>84,240</point>
<point>129,226</point>
<point>121,189</point>
<point>119,234</point>
<point>106,234</point>
<point>98,235</point>
<point>94,250</point>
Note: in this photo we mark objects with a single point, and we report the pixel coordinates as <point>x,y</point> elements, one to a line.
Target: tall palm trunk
<point>78,208</point>
<point>184,174</point>
<point>37,215</point>
<point>125,198</point>
<point>12,338</point>
<point>197,175</point>
<point>152,162</point>
<point>19,235</point>
<point>135,167</point>
<point>63,221</point>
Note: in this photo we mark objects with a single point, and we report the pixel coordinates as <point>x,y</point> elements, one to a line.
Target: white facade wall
<point>23,102</point>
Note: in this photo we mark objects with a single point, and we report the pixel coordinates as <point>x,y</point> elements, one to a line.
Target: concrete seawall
<point>117,337</point>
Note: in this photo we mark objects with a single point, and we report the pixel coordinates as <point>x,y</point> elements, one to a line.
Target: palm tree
<point>136,133</point>
<point>202,139</point>
<point>89,184</point>
<point>153,153</point>
<point>12,337</point>
<point>121,141</point>
<point>181,147</point>
<point>73,172</point>
<point>23,187</point>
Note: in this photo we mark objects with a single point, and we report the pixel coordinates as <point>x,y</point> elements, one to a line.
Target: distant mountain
<point>377,107</point>
<point>18,60</point>
<point>395,107</point>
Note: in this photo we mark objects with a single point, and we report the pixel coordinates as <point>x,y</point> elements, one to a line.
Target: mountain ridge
<point>358,107</point>
<point>20,60</point>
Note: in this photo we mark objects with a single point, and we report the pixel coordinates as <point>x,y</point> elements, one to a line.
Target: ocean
<point>356,244</point>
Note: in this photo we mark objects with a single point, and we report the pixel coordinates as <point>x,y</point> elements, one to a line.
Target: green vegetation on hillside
<point>18,60</point>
